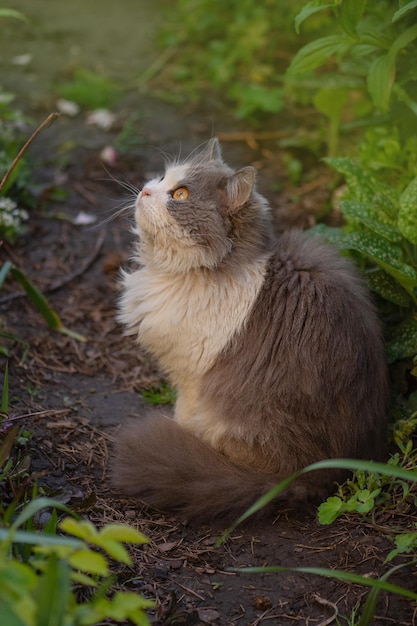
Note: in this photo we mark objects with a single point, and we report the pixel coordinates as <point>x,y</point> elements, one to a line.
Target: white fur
<point>186,320</point>
<point>180,311</point>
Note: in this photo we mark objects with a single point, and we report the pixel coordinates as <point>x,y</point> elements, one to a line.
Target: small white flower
<point>7,204</point>
<point>102,118</point>
<point>68,107</point>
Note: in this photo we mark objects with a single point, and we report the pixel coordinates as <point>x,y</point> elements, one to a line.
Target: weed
<point>89,89</point>
<point>164,394</point>
<point>406,543</point>
<point>41,588</point>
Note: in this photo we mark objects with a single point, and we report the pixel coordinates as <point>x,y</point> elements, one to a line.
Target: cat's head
<point>198,213</point>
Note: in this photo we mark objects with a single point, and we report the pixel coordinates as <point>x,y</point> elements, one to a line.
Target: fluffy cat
<point>272,344</point>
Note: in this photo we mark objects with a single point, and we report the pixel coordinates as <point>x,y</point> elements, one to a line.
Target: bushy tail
<point>168,467</point>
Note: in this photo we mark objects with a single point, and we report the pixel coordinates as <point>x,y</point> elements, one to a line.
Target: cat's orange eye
<point>180,194</point>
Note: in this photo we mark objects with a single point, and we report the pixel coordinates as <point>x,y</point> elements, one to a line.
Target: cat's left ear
<point>212,151</point>
<point>239,187</point>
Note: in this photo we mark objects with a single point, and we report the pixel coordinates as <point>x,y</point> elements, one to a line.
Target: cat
<point>272,344</point>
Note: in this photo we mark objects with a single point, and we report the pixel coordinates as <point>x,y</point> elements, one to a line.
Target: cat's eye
<point>180,194</point>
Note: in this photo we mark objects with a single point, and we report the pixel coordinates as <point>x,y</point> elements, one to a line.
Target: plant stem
<point>46,122</point>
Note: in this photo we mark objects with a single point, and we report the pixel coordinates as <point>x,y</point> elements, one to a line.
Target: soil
<point>72,395</point>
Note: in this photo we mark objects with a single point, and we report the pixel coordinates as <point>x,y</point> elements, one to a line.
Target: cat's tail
<point>168,467</point>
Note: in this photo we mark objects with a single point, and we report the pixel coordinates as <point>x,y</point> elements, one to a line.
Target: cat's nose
<point>145,192</point>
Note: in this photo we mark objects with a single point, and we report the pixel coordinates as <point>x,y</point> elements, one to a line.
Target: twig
<point>188,590</point>
<point>324,602</point>
<point>46,413</point>
<point>66,279</point>
<point>155,68</point>
<point>46,122</point>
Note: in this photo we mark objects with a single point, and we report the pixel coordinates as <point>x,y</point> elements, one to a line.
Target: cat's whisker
<point>126,184</point>
<point>115,214</point>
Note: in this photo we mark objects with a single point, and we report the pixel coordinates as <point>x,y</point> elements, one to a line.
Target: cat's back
<point>311,348</point>
<point>301,261</point>
<point>314,304</point>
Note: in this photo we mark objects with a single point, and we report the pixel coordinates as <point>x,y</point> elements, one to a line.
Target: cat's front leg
<point>187,401</point>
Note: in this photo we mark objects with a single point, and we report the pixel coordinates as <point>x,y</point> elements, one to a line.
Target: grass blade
<point>5,392</point>
<point>38,299</point>
<point>37,505</point>
<point>377,583</point>
<point>40,539</point>
<point>54,593</point>
<point>349,464</point>
<point>368,611</point>
<point>41,303</point>
<point>5,269</point>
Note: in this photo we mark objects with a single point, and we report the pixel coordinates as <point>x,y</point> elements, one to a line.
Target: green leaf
<point>15,14</point>
<point>309,9</point>
<point>5,269</point>
<point>331,234</point>
<point>404,97</point>
<point>351,12</point>
<point>5,392</point>
<point>40,539</point>
<point>369,608</point>
<point>316,53</point>
<point>82,529</point>
<point>336,574</point>
<point>365,500</point>
<point>38,299</point>
<point>9,615</point>
<point>37,505</point>
<point>385,469</point>
<point>372,218</point>
<point>387,287</point>
<point>113,549</point>
<point>385,204</point>
<point>41,303</point>
<point>361,185</point>
<point>330,510</point>
<point>15,576</point>
<point>403,40</point>
<point>330,101</point>
<point>406,542</point>
<point>53,593</point>
<point>123,532</point>
<point>401,12</point>
<point>90,562</point>
<point>407,214</point>
<point>381,76</point>
<point>384,254</point>
<point>403,341</point>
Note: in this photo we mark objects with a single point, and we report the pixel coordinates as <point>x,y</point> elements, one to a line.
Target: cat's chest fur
<point>186,320</point>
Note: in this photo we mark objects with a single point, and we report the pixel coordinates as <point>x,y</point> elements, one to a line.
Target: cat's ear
<point>239,187</point>
<point>212,151</point>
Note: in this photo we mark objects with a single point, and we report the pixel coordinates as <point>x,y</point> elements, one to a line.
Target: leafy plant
<point>42,590</point>
<point>38,300</point>
<point>17,15</point>
<point>371,51</point>
<point>14,198</point>
<point>89,89</point>
<point>164,394</point>
<point>405,543</point>
<point>230,53</point>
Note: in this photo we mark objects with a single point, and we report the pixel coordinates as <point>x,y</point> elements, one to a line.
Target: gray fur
<point>302,379</point>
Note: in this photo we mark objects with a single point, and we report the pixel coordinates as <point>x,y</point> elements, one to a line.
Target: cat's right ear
<point>239,187</point>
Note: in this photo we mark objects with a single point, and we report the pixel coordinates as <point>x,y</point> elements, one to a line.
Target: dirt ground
<point>78,393</point>
<point>72,395</point>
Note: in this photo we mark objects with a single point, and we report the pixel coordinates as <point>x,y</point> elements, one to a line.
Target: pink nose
<point>145,192</point>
